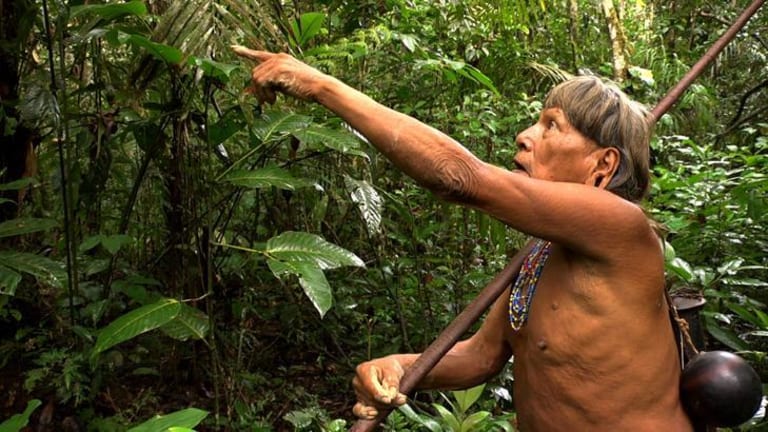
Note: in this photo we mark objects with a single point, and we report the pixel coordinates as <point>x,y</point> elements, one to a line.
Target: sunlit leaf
<point>266,177</point>
<point>274,124</point>
<point>473,420</point>
<point>214,69</point>
<point>307,27</point>
<point>466,398</point>
<point>448,417</point>
<point>42,268</point>
<point>334,139</point>
<point>160,51</point>
<point>423,420</point>
<point>186,418</point>
<point>136,322</point>
<point>368,202</point>
<point>189,323</point>
<point>311,279</point>
<point>293,246</point>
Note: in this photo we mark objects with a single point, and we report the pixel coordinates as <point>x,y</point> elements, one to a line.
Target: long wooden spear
<point>461,324</point>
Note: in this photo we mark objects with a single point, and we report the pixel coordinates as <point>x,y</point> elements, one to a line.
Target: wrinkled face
<point>552,149</point>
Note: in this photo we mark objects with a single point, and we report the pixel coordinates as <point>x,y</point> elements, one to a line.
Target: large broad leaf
<point>18,184</point>
<point>307,27</point>
<point>19,421</point>
<point>466,398</point>
<point>186,418</point>
<point>448,417</point>
<point>727,337</point>
<point>274,124</point>
<point>9,280</point>
<point>21,226</point>
<point>214,69</point>
<point>162,52</point>
<point>231,123</point>
<point>367,200</point>
<point>110,11</point>
<point>293,246</point>
<point>136,322</point>
<point>189,323</point>
<point>311,279</point>
<point>42,268</point>
<point>423,420</point>
<point>339,140</point>
<point>266,177</point>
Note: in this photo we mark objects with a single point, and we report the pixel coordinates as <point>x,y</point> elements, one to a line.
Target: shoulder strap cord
<point>681,331</point>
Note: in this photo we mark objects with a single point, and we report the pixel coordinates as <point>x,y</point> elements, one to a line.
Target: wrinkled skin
<point>597,353</point>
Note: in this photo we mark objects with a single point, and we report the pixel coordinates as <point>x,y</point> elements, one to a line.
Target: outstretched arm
<point>584,218</point>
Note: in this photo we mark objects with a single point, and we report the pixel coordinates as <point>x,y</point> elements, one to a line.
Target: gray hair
<point>606,115</point>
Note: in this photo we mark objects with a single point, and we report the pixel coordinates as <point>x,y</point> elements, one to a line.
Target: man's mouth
<point>520,167</point>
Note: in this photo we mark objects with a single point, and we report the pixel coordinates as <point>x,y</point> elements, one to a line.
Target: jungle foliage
<point>168,247</point>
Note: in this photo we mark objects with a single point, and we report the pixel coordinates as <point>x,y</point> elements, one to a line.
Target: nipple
<point>542,344</point>
<point>555,306</point>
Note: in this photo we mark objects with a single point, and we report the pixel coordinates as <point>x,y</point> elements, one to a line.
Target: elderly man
<point>587,319</point>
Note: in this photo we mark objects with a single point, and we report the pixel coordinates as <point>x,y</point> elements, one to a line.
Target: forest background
<point>169,247</point>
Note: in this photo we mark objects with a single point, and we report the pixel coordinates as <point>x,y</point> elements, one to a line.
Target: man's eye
<point>552,125</point>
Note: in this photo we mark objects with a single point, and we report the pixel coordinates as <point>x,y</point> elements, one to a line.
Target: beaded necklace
<point>522,292</point>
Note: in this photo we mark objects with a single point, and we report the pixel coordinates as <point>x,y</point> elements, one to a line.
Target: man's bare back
<point>598,352</point>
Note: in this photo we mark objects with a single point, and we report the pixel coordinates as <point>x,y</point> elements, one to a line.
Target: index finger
<point>259,56</point>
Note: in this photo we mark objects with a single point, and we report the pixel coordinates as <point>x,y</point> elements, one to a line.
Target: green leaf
<point>466,398</point>
<point>18,184</point>
<point>9,280</point>
<point>19,421</point>
<point>42,268</point>
<point>136,322</point>
<point>448,417</point>
<point>368,202</point>
<point>681,268</point>
<point>231,123</point>
<point>113,243</point>
<point>214,69</point>
<point>334,139</point>
<point>293,246</point>
<point>475,75</point>
<point>311,279</point>
<point>160,51</point>
<point>266,177</point>
<point>189,323</point>
<point>472,422</point>
<point>21,226</point>
<point>90,243</point>
<point>726,336</point>
<point>425,421</point>
<point>186,418</point>
<point>307,27</point>
<point>277,124</point>
<point>110,11</point>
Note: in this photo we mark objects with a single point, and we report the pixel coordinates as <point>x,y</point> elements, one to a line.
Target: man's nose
<point>524,139</point>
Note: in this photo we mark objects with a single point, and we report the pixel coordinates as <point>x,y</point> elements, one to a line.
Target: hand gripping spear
<point>461,324</point>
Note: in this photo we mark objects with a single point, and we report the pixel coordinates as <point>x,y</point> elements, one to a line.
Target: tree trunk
<point>573,33</point>
<point>618,40</point>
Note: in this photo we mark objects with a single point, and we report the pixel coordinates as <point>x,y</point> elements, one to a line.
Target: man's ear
<point>607,162</point>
